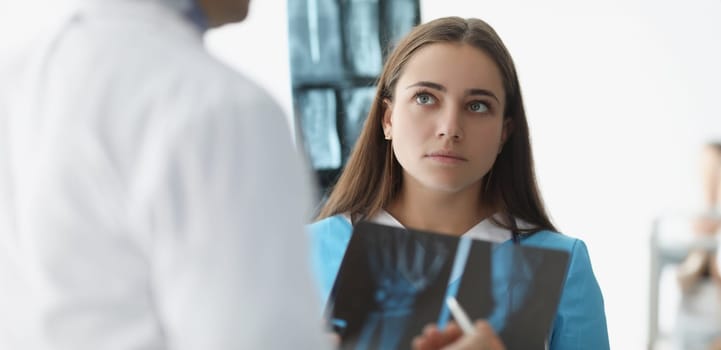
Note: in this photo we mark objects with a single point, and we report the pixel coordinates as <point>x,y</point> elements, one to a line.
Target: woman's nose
<point>450,125</point>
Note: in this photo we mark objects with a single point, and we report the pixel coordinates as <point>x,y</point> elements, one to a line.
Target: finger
<point>426,343</point>
<point>467,342</point>
<point>496,344</point>
<point>483,338</point>
<point>428,339</point>
<point>430,329</point>
<point>432,338</point>
<point>420,343</point>
<point>334,339</point>
<point>490,337</point>
<point>482,326</point>
<point>451,333</point>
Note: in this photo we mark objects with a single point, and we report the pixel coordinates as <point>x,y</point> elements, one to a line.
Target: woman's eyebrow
<point>481,92</point>
<point>428,84</point>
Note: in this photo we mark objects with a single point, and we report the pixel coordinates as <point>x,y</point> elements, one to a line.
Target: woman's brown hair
<point>372,176</point>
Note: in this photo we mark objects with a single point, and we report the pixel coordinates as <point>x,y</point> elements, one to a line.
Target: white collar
<point>485,230</point>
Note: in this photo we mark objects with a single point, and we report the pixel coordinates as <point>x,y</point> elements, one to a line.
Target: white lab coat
<point>150,197</point>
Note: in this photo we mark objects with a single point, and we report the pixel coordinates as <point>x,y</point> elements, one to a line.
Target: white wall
<point>619,96</point>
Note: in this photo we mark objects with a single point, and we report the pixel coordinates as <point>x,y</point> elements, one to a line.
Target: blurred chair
<point>671,240</point>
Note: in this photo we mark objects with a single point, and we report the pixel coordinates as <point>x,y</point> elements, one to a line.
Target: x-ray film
<point>393,281</point>
<point>317,113</point>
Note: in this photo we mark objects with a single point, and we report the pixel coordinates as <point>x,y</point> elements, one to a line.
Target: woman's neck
<point>436,211</point>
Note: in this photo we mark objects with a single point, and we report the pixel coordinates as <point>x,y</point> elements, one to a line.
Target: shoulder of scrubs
<point>329,240</point>
<point>580,321</point>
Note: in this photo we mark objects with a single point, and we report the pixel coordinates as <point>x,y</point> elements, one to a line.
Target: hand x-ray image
<point>388,286</point>
<point>393,281</point>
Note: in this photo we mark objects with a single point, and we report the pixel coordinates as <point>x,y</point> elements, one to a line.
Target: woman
<point>445,148</point>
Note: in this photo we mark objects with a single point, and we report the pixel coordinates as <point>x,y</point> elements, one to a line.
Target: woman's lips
<point>446,157</point>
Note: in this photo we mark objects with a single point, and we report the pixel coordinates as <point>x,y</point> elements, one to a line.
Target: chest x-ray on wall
<point>337,49</point>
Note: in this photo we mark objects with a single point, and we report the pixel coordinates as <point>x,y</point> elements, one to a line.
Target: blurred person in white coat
<point>150,197</point>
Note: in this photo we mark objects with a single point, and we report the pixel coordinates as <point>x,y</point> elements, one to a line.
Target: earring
<point>388,137</point>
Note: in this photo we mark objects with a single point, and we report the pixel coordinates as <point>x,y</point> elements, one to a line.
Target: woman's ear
<point>387,122</point>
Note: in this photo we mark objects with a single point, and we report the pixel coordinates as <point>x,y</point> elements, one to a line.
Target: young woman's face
<point>446,119</point>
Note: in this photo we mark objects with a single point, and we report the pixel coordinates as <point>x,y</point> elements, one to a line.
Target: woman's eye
<point>478,107</point>
<point>425,99</point>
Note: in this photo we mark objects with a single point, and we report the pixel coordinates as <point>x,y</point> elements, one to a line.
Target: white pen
<point>461,317</point>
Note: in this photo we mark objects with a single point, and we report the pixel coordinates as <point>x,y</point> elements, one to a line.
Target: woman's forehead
<point>453,65</point>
